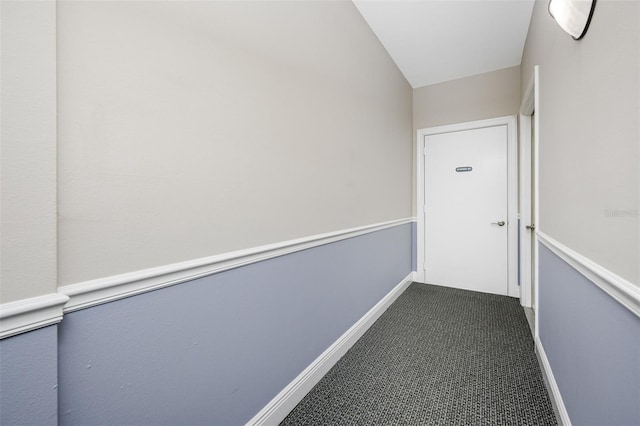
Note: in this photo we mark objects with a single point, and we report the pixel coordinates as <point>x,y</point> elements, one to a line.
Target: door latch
<point>499,223</point>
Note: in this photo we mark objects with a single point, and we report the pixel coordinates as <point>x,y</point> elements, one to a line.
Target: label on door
<point>464,169</point>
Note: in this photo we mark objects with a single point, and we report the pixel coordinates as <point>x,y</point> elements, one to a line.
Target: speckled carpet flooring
<point>437,356</point>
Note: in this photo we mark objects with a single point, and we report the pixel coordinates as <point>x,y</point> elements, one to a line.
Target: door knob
<point>499,223</point>
<point>531,227</point>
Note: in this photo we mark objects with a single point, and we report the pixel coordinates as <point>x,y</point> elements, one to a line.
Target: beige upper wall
<point>590,133</point>
<point>489,95</point>
<point>27,150</point>
<point>482,96</point>
<point>188,129</point>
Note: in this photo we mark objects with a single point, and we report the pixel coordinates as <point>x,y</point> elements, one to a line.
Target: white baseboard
<point>282,404</point>
<point>554,392</point>
<point>531,320</point>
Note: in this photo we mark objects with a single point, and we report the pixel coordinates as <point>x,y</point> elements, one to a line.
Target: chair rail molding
<point>615,286</point>
<point>30,314</point>
<point>95,292</point>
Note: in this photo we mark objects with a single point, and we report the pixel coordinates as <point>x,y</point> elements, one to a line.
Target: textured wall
<point>593,346</point>
<point>28,378</point>
<point>589,132</point>
<point>198,128</point>
<point>28,150</point>
<point>216,350</point>
<point>487,95</point>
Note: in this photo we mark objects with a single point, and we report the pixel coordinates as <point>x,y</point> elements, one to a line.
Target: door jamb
<point>512,192</point>
<point>530,103</point>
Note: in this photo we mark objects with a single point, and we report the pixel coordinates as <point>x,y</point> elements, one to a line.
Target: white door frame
<point>512,192</point>
<point>530,103</point>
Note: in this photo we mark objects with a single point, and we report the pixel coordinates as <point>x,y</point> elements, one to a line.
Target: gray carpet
<point>437,356</point>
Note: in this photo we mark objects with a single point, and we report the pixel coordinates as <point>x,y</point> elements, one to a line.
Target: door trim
<point>512,191</point>
<point>530,103</point>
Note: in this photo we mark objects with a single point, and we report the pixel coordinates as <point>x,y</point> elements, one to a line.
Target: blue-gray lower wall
<point>29,378</point>
<point>414,246</point>
<point>592,343</point>
<point>216,350</point>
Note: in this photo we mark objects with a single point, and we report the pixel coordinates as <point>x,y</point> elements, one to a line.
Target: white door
<point>466,209</point>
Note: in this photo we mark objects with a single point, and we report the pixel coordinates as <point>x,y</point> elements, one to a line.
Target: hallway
<point>220,198</point>
<point>436,356</point>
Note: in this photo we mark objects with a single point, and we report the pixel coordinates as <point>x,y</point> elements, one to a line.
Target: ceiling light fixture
<point>573,16</point>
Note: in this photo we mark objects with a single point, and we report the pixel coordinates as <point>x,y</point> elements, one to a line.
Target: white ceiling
<point>438,40</point>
